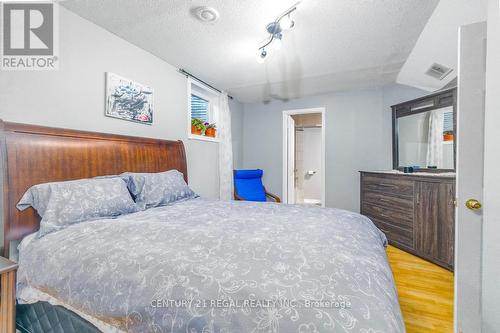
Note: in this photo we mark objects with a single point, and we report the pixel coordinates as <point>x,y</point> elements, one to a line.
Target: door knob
<point>473,204</point>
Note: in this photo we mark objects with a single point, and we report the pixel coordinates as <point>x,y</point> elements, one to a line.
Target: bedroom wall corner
<point>237,132</point>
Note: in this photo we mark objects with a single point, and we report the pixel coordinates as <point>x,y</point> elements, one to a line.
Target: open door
<point>290,160</point>
<point>470,162</point>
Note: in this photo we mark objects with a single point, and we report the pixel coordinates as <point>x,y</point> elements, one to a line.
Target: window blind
<point>199,108</point>
<point>448,122</point>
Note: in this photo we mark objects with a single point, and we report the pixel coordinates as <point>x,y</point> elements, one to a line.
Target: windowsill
<point>202,138</point>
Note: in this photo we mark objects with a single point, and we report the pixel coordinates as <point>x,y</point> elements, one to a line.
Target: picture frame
<point>128,100</point>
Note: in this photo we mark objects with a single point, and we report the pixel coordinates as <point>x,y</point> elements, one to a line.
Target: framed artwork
<point>128,100</point>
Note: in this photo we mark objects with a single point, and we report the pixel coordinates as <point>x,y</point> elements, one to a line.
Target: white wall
<point>237,131</point>
<point>491,212</point>
<point>73,97</point>
<point>358,137</point>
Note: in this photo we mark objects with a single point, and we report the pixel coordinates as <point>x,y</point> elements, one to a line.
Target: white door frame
<point>291,136</point>
<point>286,115</point>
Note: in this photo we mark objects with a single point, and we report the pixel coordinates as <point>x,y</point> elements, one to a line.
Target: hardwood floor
<point>425,292</point>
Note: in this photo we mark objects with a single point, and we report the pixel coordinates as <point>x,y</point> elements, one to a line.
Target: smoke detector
<point>206,14</point>
<point>438,71</point>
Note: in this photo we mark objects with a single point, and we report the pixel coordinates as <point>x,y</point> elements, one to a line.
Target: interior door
<point>470,160</point>
<point>290,160</point>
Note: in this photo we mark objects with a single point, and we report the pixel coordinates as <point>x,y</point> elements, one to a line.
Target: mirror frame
<point>437,100</point>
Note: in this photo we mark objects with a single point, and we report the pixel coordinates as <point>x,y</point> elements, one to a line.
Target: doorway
<point>304,157</point>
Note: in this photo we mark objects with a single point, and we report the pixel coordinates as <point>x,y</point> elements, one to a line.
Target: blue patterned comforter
<point>222,267</point>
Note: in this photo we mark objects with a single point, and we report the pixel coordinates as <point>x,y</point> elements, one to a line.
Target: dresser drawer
<point>396,236</point>
<point>392,203</point>
<point>398,218</point>
<point>388,186</point>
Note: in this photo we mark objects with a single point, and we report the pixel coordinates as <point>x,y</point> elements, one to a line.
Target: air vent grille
<point>438,71</point>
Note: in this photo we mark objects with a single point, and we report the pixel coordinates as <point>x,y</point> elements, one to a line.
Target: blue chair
<point>248,186</point>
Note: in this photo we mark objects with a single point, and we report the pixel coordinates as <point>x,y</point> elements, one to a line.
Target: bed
<point>194,265</point>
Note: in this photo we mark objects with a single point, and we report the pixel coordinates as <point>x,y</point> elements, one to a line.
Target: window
<point>448,135</point>
<point>203,109</point>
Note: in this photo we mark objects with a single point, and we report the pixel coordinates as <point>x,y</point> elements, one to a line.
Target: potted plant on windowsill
<point>211,130</point>
<point>197,126</point>
<point>448,136</point>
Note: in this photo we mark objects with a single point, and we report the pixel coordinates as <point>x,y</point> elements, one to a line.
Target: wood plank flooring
<point>425,292</point>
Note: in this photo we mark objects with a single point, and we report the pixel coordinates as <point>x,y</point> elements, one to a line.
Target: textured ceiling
<point>335,45</point>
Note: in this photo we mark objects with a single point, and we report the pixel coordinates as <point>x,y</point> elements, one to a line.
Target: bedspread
<point>214,266</point>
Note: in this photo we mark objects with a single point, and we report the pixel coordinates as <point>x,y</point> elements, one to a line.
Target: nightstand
<point>7,295</point>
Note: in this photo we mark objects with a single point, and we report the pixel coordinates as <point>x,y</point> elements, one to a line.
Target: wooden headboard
<point>34,154</point>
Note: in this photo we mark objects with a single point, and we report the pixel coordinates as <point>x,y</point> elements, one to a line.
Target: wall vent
<point>438,71</point>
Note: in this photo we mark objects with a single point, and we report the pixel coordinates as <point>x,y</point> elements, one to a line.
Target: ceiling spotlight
<point>275,31</point>
<point>261,57</point>
<point>276,44</point>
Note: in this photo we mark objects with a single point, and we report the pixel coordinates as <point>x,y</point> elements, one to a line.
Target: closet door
<point>434,221</point>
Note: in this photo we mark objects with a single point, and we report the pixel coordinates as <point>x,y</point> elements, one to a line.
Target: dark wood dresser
<point>415,211</point>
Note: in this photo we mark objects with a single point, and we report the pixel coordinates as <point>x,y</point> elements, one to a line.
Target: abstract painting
<point>128,100</point>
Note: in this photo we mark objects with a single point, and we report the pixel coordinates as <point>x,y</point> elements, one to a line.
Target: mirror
<point>424,134</point>
<point>426,139</point>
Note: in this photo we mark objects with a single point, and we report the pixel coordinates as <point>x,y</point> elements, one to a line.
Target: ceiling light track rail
<point>288,11</point>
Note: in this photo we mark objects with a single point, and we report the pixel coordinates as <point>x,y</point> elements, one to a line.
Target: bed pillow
<point>157,189</point>
<point>61,204</point>
<point>126,178</point>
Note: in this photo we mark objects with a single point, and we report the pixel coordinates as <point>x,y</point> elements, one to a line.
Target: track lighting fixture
<point>275,30</point>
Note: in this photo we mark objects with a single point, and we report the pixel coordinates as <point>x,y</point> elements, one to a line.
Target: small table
<point>7,295</point>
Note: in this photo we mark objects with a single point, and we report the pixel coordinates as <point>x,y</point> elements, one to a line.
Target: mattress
<point>213,266</point>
